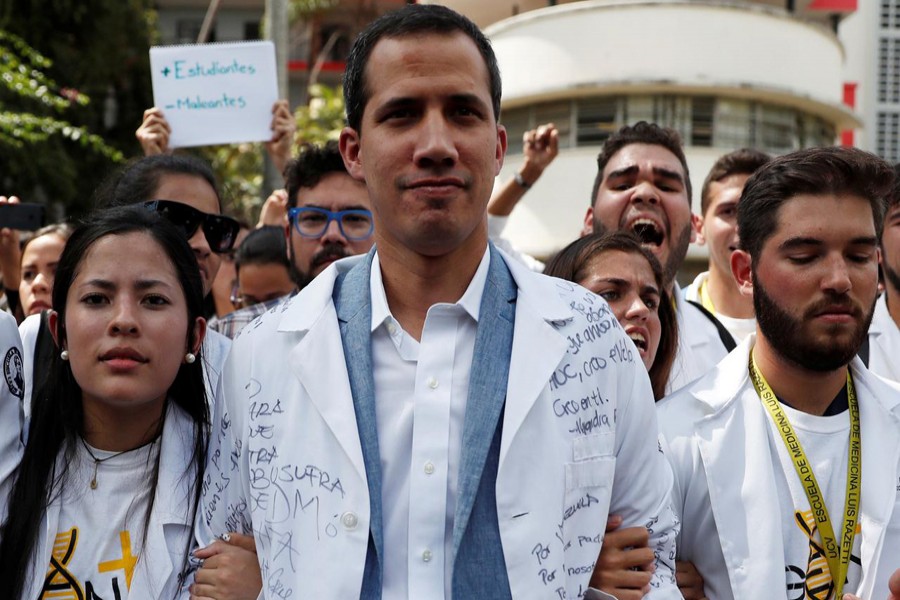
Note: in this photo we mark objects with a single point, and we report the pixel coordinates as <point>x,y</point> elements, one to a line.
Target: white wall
<point>580,48</point>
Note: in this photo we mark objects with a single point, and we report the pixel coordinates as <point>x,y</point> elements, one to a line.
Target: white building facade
<point>725,75</point>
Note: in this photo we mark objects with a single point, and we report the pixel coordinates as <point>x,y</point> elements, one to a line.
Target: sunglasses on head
<point>220,231</point>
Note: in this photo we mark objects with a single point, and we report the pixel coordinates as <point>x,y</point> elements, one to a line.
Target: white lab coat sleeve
<point>225,496</point>
<point>677,494</point>
<point>642,486</point>
<point>11,407</point>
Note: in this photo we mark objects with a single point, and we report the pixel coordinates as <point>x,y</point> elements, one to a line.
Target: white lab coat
<point>884,343</point>
<point>716,432</point>
<point>12,418</point>
<point>286,459</point>
<point>699,344</point>
<point>161,560</point>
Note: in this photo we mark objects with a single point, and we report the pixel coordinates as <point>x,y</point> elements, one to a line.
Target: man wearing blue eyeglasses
<point>329,217</point>
<point>329,214</point>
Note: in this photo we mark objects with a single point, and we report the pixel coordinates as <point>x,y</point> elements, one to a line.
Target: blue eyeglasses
<point>312,222</point>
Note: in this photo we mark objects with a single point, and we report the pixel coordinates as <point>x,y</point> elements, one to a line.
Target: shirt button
<point>432,383</point>
<point>429,468</point>
<point>392,329</point>
<point>349,520</point>
<point>426,556</point>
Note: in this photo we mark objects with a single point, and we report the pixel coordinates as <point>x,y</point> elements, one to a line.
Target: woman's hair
<point>572,263</point>
<point>57,415</point>
<point>139,179</point>
<point>63,230</point>
<point>263,246</point>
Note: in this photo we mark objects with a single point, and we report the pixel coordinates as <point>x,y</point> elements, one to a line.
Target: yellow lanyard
<point>705,299</point>
<point>837,554</point>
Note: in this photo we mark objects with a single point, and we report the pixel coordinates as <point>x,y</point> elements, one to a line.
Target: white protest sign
<point>215,93</point>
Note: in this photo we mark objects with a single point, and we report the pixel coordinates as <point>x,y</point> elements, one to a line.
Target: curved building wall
<point>724,76</point>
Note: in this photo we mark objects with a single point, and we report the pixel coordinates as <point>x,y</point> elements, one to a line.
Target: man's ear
<point>501,148</point>
<point>53,322</point>
<point>700,239</point>
<point>696,226</point>
<point>588,226</point>
<point>349,144</point>
<point>741,270</point>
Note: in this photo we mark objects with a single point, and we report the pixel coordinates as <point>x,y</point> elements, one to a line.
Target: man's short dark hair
<point>312,163</point>
<point>815,171</point>
<point>412,19</point>
<point>744,161</point>
<point>641,132</point>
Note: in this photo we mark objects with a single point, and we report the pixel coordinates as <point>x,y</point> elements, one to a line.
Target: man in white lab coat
<point>433,420</point>
<point>643,186</point>
<point>787,454</point>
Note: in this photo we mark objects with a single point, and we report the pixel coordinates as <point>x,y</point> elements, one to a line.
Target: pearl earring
<point>189,358</point>
<point>64,355</point>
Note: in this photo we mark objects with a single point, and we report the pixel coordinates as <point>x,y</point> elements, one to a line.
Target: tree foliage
<point>21,75</point>
<point>74,81</point>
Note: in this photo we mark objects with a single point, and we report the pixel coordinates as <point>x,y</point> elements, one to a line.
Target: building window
<point>560,114</point>
<point>517,121</point>
<point>598,118</point>
<point>188,30</point>
<point>251,30</point>
<point>701,121</point>
<point>887,135</point>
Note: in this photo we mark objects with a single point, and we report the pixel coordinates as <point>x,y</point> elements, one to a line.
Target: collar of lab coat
<point>540,293</point>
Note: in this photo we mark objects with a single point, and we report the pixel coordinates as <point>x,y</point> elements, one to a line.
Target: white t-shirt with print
<point>101,530</point>
<point>825,441</point>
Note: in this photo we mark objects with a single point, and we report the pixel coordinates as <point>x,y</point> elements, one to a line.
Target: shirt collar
<point>470,300</point>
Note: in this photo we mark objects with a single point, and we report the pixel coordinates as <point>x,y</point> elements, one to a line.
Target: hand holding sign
<point>211,94</point>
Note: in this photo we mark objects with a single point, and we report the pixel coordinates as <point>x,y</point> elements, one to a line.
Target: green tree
<point>56,146</point>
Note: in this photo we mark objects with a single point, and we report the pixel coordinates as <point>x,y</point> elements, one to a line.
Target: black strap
<point>864,351</point>
<point>724,334</point>
<point>44,347</point>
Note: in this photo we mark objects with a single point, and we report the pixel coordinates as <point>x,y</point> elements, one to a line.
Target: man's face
<point>815,283</point>
<point>719,226</point>
<point>890,248</point>
<point>643,191</point>
<point>334,192</point>
<point>429,147</point>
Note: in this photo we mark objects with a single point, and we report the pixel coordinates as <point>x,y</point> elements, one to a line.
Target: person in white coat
<point>102,502</point>
<point>786,455</point>
<point>433,420</point>
<point>643,186</point>
<point>884,332</point>
<point>715,289</point>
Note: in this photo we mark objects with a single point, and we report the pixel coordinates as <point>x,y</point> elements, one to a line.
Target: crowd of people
<point>372,394</point>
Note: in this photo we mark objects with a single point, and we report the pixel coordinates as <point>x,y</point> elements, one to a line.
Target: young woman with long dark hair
<point>104,499</point>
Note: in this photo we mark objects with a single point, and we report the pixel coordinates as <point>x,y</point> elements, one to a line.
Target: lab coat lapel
<point>487,385</point>
<point>172,511</point>
<point>538,346</point>
<point>352,300</point>
<point>879,424</point>
<point>734,448</point>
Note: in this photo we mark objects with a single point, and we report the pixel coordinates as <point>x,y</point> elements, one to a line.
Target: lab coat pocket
<point>587,499</point>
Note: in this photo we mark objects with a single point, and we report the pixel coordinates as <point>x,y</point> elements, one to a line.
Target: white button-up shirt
<point>421,390</point>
